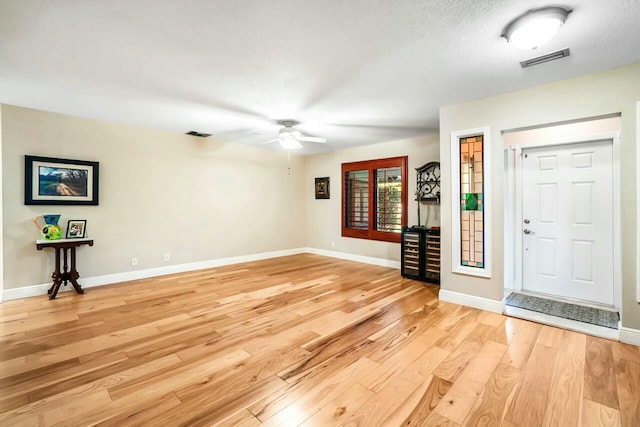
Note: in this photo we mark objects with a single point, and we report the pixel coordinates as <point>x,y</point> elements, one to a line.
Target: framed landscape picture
<point>52,181</point>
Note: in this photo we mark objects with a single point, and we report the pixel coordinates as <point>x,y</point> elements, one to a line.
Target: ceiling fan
<point>289,138</point>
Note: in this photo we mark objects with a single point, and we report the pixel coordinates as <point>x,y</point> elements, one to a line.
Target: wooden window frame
<point>372,166</point>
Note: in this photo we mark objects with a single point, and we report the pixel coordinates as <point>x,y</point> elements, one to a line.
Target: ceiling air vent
<point>199,134</point>
<point>545,58</point>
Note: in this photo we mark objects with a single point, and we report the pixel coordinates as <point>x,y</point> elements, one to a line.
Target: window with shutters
<point>374,199</point>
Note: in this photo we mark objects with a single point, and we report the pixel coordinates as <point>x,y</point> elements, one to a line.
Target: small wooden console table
<point>65,276</point>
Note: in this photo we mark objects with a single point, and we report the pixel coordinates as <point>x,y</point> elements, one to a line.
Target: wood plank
<point>178,376</point>
<point>624,351</point>
<point>491,408</point>
<point>599,373</point>
<point>520,349</point>
<point>628,385</point>
<point>339,409</point>
<point>150,386</point>
<point>306,381</point>
<point>58,381</point>
<point>597,415</point>
<point>492,319</point>
<point>425,399</point>
<point>406,361</point>
<point>73,398</point>
<point>531,398</point>
<point>302,406</point>
<point>31,324</point>
<point>437,420</point>
<point>144,413</point>
<point>426,363</point>
<point>243,418</point>
<point>457,332</point>
<point>461,398</point>
<point>12,402</point>
<point>507,331</point>
<point>565,397</point>
<point>550,336</point>
<point>202,410</point>
<point>383,408</point>
<point>457,360</point>
<point>70,407</point>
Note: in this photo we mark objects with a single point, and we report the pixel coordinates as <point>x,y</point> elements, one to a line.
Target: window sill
<point>372,235</point>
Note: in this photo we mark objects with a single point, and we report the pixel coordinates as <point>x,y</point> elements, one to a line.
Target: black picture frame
<point>76,229</point>
<point>322,188</point>
<point>54,181</point>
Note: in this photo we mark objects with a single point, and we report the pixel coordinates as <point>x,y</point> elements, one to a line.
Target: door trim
<point>614,137</point>
<point>638,201</point>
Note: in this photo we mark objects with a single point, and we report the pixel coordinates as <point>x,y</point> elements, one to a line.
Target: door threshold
<point>572,325</point>
<point>567,300</point>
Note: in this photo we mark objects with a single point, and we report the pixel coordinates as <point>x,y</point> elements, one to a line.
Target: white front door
<point>568,221</point>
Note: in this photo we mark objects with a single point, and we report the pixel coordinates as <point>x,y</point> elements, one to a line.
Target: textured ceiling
<point>356,72</point>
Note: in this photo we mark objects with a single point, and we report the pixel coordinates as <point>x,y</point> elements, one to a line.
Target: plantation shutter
<point>357,200</point>
<point>389,199</point>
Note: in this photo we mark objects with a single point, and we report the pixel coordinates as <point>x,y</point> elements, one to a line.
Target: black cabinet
<point>411,264</point>
<point>421,254</point>
<point>432,256</point>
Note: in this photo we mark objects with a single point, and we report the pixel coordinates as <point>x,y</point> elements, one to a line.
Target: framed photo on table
<point>53,181</point>
<point>76,229</point>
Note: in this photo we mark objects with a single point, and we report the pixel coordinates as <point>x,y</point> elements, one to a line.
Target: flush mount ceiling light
<point>536,27</point>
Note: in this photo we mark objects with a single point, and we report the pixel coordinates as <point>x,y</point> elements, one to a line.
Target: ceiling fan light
<point>290,143</point>
<point>287,131</point>
<point>536,27</point>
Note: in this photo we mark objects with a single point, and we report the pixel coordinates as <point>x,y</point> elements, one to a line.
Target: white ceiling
<point>356,72</point>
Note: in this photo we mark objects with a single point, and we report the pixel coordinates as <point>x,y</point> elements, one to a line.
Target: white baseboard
<point>630,336</point>
<point>353,257</point>
<point>472,301</point>
<point>107,279</point>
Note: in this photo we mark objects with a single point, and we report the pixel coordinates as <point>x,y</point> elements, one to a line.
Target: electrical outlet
<point>134,261</point>
<point>333,244</point>
<point>167,256</point>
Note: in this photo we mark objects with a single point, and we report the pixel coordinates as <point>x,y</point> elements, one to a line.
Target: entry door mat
<point>595,316</point>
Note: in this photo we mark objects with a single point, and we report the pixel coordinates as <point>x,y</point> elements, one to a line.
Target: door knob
<point>526,231</point>
<point>526,221</point>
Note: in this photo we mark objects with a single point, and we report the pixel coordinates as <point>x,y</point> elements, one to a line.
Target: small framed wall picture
<point>76,228</point>
<point>322,188</point>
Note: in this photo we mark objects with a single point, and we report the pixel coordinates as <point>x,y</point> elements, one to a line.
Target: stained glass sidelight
<point>471,201</point>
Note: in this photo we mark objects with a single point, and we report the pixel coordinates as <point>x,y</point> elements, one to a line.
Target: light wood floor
<point>299,340</point>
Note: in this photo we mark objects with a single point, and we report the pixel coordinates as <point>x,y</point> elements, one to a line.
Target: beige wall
<point>196,199</point>
<point>613,91</point>
<point>324,216</point>
<point>1,211</point>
